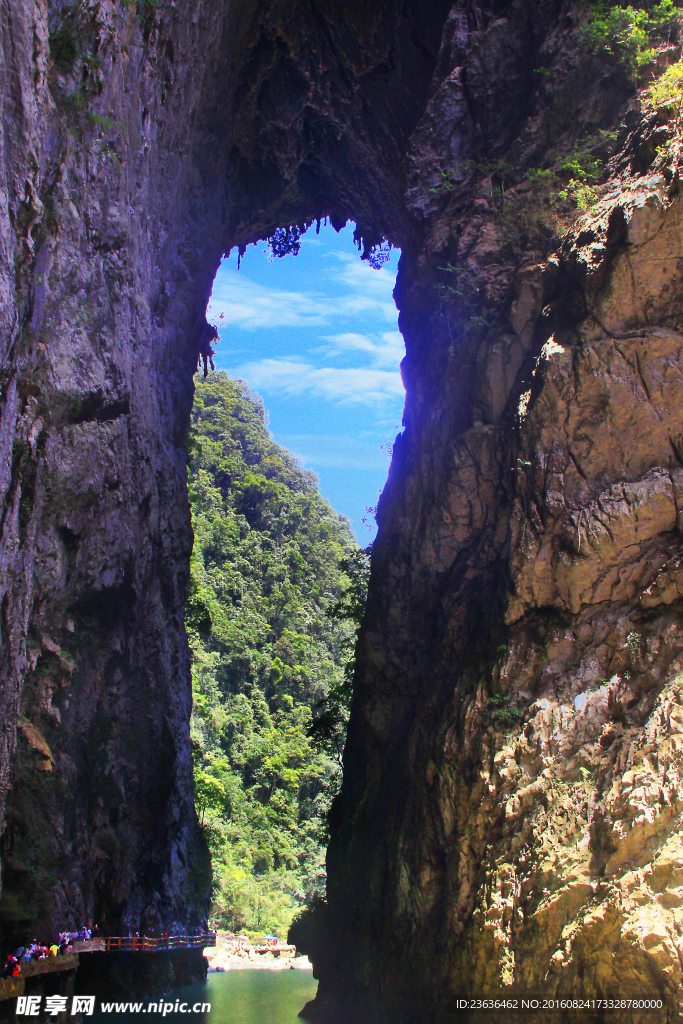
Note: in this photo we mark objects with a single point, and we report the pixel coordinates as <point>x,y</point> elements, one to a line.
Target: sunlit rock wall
<point>511,814</point>
<point>540,839</point>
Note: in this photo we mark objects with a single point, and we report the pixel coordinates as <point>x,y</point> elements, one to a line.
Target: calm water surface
<point>236,997</point>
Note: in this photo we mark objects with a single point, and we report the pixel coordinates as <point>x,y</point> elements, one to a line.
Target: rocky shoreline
<point>229,955</point>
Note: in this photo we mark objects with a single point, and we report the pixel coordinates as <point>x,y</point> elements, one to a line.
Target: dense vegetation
<point>630,34</point>
<point>271,633</point>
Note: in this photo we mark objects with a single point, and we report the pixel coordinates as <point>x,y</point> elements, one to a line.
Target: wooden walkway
<point>68,962</point>
<point>89,946</point>
<point>12,987</point>
<point>142,944</point>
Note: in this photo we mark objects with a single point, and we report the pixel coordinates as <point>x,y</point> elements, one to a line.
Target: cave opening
<point>313,330</point>
<point>289,449</point>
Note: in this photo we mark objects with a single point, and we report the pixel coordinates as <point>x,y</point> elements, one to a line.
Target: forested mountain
<point>265,574</point>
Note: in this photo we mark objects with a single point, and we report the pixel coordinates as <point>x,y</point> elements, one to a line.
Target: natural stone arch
<point>238,120</point>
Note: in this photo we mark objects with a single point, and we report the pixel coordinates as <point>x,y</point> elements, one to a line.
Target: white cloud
<point>293,377</point>
<point>252,306</point>
<point>368,289</point>
<point>338,451</point>
<point>336,361</point>
<point>387,350</point>
<point>361,277</point>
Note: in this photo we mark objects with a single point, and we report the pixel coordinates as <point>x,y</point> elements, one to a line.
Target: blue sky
<point>316,336</point>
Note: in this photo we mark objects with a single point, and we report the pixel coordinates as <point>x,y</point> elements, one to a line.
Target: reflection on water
<point>236,997</point>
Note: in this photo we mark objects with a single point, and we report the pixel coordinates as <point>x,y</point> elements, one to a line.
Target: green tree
<point>270,558</point>
<point>627,33</point>
<point>328,728</point>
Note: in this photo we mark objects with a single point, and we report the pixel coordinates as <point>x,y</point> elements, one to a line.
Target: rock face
<point>100,820</point>
<point>139,143</point>
<point>510,816</point>
<point>511,813</point>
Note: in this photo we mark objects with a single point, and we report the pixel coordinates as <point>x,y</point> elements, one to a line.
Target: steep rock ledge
<point>510,811</point>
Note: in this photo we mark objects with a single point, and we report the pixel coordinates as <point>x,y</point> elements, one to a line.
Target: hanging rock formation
<point>510,815</point>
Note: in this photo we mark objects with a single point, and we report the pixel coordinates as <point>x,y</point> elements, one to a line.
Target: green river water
<point>236,997</point>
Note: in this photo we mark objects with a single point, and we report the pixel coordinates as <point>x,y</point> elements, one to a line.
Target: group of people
<point>36,951</point>
<point>83,935</point>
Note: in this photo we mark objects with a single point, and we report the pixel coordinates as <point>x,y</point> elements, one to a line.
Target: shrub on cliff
<point>628,33</point>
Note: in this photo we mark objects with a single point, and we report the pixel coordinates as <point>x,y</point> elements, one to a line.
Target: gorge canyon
<point>511,811</point>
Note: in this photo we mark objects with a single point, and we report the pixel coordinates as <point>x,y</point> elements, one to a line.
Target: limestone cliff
<point>510,817</point>
<point>512,798</point>
<point>140,141</point>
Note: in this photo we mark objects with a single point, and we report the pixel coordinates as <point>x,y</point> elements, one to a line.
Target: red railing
<point>142,944</point>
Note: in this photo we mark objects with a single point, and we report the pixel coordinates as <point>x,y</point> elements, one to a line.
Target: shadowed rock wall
<point>510,814</point>
<point>140,143</point>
